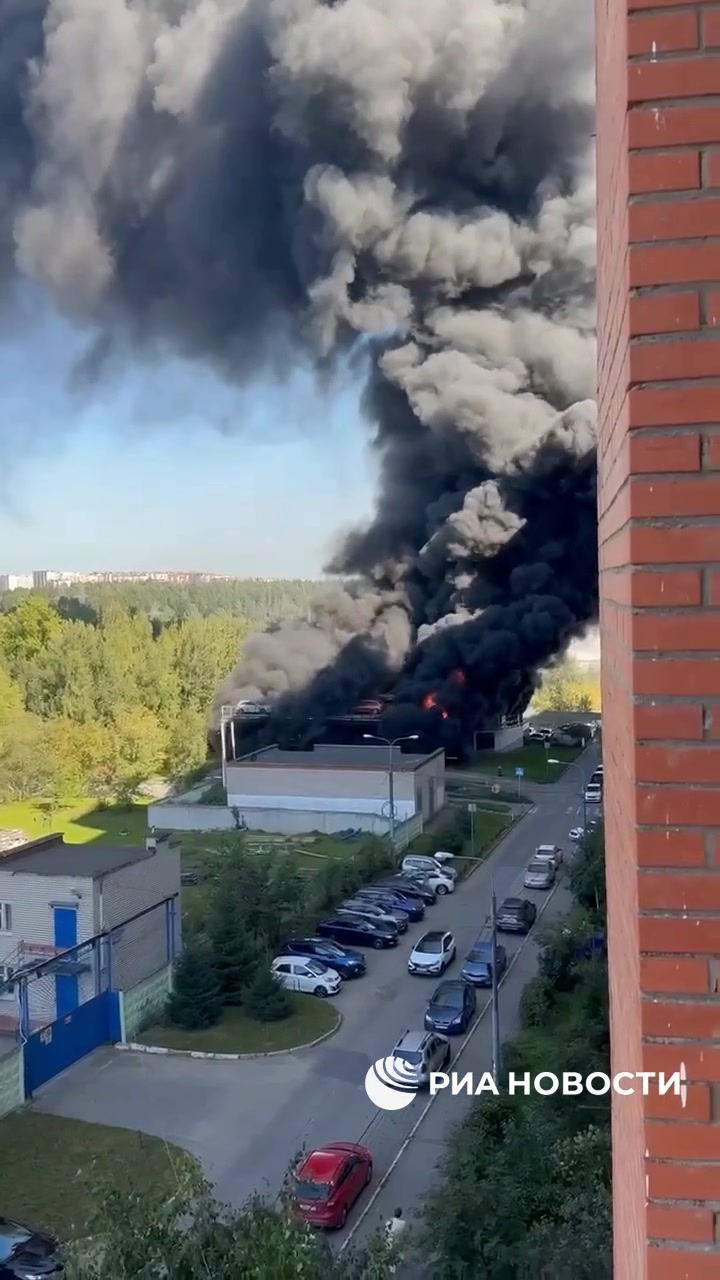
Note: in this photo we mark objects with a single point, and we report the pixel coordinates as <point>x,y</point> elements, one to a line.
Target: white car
<point>423,865</point>
<point>549,853</point>
<point>576,834</point>
<point>310,977</point>
<point>432,953</point>
<point>593,794</point>
<point>248,708</point>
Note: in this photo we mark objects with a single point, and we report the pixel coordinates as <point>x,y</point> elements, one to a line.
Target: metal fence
<point>50,983</point>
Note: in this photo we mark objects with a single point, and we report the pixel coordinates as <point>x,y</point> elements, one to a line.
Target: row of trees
<point>95,699</point>
<point>255,900</point>
<point>526,1181</point>
<point>256,601</point>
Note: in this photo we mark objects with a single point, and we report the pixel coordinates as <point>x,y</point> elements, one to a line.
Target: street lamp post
<point>390,743</point>
<point>496,1062</point>
<point>569,765</point>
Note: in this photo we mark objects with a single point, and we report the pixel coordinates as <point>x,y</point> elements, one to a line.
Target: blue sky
<point>167,468</point>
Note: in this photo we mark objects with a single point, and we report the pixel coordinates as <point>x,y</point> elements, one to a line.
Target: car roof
<point>482,945</point>
<point>450,984</point>
<point>546,848</point>
<point>513,902</point>
<point>434,935</point>
<point>412,1040</point>
<point>323,1164</point>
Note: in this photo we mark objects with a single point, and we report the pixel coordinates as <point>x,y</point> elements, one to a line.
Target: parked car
<point>413,863</point>
<point>369,707</point>
<point>358,906</point>
<point>414,887</point>
<point>248,708</point>
<point>423,1053</point>
<point>432,953</point>
<point>443,857</point>
<point>26,1254</point>
<point>362,933</point>
<point>477,966</point>
<point>311,977</point>
<point>576,834</point>
<point>549,853</point>
<point>380,918</point>
<point>345,961</point>
<point>516,915</point>
<point>596,779</point>
<point>451,1008</point>
<point>328,1182</point>
<point>593,793</point>
<point>440,882</point>
<point>394,900</point>
<point>540,874</point>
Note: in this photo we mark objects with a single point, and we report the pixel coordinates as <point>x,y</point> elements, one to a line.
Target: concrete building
<point>54,896</point>
<point>347,785</point>
<point>658,166</point>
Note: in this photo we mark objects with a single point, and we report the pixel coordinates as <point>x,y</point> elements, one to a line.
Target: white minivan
<point>307,976</point>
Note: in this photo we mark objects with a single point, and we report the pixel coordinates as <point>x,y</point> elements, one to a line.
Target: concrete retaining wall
<point>12,1082</point>
<point>144,1003</point>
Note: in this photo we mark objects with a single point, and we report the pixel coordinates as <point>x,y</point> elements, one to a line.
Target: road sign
<point>472,808</point>
<point>519,772</point>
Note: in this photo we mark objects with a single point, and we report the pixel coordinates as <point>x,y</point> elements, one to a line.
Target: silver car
<point>539,875</point>
<point>421,1053</point>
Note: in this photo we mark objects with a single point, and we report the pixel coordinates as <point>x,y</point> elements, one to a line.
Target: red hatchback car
<point>328,1182</point>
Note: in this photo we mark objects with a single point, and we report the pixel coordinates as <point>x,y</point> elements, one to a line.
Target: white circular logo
<point>391,1084</point>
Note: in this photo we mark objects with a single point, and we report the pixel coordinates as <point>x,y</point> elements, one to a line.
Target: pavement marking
<point>406,1142</point>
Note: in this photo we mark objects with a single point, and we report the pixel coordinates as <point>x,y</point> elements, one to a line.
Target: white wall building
<point>347,785</point>
<point>55,896</point>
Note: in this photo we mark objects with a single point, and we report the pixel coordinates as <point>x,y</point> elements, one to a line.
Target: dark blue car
<point>345,961</point>
<point>396,900</point>
<point>451,1008</point>
<point>477,968</point>
<point>354,931</point>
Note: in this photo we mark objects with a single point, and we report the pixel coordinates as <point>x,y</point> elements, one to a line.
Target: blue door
<point>66,985</point>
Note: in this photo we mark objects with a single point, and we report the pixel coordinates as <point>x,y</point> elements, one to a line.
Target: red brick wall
<point>658,168</point>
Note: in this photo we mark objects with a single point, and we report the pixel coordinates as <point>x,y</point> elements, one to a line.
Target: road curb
<point>133,1047</point>
<point>399,1154</point>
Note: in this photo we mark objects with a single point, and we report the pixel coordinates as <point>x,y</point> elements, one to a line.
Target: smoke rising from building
<point>406,182</point>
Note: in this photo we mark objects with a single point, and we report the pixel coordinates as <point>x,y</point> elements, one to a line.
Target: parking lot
<point>246,1120</point>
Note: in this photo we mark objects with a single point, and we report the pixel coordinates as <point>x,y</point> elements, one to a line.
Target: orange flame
<point>428,701</point>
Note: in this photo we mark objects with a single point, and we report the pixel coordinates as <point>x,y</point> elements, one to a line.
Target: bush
<point>340,877</point>
<point>266,1000</point>
<point>196,999</point>
<point>536,1002</point>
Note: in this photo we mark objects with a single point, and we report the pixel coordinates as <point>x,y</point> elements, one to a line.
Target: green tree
<point>236,954</point>
<point>195,1000</point>
<point>192,1237</point>
<point>28,629</point>
<point>266,1000</point>
<point>25,769</point>
<point>187,743</point>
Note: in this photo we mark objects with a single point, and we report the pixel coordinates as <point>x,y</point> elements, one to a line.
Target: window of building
<point>5,917</point>
<point>6,973</point>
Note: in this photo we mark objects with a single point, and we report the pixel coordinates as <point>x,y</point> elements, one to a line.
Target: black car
<point>26,1254</point>
<point>516,915</point>
<point>356,913</point>
<point>451,1008</point>
<point>394,899</point>
<point>345,961</point>
<point>375,910</point>
<point>407,884</point>
<point>355,931</point>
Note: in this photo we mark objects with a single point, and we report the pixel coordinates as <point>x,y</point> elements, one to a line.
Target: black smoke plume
<point>406,184</point>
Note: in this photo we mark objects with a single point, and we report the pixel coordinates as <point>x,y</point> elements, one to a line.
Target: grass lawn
<point>236,1033</point>
<point>532,759</point>
<point>50,1168</point>
<point>490,825</point>
<point>81,821</point>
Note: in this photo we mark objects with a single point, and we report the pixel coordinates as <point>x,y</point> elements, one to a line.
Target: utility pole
<point>472,810</point>
<point>390,743</point>
<point>496,1063</point>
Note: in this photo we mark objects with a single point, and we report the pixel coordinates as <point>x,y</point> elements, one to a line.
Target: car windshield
<point>305,1189</point>
<point>409,1055</point>
<point>429,946</point>
<point>447,999</point>
<point>540,866</point>
<point>479,957</point>
<point>315,967</point>
<point>511,908</point>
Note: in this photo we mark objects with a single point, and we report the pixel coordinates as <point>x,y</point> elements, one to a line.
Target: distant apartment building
<point>16,581</point>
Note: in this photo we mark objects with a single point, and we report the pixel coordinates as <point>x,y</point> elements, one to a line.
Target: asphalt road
<point>246,1120</point>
